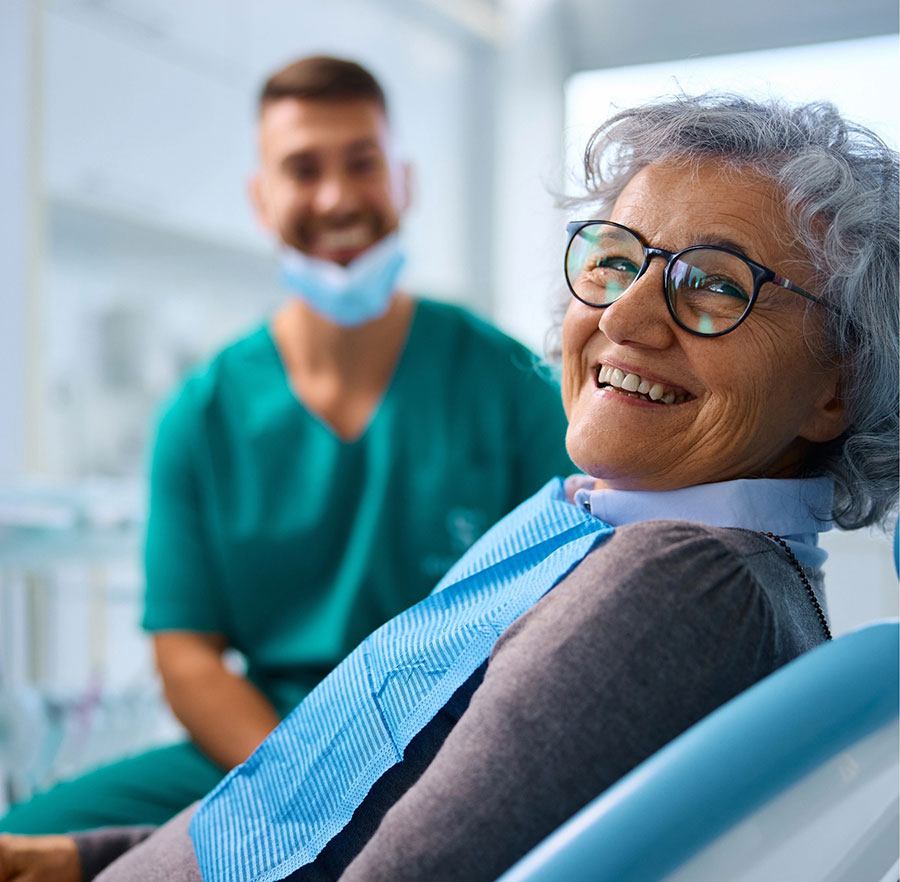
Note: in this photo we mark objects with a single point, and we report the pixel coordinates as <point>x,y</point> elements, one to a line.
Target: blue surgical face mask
<point>347,295</point>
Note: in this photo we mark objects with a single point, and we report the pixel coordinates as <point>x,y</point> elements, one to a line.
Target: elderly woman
<point>729,374</point>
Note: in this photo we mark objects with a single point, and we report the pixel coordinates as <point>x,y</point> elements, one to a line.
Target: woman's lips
<point>636,386</point>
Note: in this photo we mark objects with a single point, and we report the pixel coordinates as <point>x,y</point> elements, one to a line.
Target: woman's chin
<point>606,477</point>
<point>619,466</point>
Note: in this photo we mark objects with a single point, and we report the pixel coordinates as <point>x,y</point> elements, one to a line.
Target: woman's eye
<point>726,288</point>
<point>617,264</point>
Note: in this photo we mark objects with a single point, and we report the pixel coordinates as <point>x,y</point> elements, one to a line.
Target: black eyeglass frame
<point>761,274</point>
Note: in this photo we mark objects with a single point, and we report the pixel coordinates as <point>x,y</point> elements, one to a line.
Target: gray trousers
<point>651,632</point>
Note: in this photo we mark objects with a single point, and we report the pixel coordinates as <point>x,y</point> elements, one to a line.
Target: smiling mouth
<point>350,238</point>
<point>636,386</point>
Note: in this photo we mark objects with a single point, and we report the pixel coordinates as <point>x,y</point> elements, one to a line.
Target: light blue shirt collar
<point>795,509</point>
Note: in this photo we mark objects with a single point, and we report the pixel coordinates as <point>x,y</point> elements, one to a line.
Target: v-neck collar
<point>381,405</point>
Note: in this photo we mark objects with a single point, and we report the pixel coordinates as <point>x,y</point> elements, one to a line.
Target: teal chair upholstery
<point>795,779</point>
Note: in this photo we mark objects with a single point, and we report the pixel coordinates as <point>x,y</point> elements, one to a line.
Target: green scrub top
<point>266,527</point>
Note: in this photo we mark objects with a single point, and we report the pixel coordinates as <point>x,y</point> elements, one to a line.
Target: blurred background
<point>128,252</point>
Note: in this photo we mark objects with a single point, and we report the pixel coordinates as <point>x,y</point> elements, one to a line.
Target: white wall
<point>528,170</point>
<point>860,578</point>
<point>19,235</point>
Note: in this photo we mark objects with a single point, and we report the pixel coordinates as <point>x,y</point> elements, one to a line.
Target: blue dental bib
<point>299,789</point>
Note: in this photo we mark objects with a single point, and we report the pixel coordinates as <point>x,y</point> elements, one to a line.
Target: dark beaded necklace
<point>809,588</point>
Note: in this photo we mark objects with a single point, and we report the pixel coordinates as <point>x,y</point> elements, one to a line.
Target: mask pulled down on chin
<point>347,295</point>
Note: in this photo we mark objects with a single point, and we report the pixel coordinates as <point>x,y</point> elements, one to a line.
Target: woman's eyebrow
<point>722,242</point>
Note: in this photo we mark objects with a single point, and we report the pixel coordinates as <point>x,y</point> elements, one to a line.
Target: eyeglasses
<point>709,290</point>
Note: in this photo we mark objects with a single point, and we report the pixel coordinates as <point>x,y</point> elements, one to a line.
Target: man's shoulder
<point>481,345</point>
<point>251,350</point>
<point>455,318</point>
<point>237,362</point>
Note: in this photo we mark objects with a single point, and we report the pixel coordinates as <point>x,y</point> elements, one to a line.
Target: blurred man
<point>320,474</point>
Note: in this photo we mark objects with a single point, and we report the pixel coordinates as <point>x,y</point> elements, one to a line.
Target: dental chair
<point>794,780</point>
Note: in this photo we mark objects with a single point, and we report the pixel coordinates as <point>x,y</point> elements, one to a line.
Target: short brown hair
<point>322,78</point>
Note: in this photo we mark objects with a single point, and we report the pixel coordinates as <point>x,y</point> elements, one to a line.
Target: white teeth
<point>631,382</point>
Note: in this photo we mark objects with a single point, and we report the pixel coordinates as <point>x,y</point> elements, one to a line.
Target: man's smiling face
<point>328,184</point>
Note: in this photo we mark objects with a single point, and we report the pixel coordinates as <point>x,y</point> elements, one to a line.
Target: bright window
<point>859,76</point>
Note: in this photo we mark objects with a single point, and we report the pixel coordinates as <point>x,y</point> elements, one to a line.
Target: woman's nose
<point>640,316</point>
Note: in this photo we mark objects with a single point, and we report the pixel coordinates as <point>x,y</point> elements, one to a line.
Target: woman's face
<point>746,404</point>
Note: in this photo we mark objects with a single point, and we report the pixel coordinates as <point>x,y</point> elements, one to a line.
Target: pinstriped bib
<point>299,789</point>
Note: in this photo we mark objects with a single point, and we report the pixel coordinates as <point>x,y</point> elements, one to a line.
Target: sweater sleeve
<point>99,848</point>
<point>650,633</point>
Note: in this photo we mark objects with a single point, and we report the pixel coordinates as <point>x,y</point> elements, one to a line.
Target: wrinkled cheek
<point>571,383</point>
<point>581,447</point>
<point>575,328</point>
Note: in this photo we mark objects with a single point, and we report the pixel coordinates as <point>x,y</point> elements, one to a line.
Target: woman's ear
<point>829,417</point>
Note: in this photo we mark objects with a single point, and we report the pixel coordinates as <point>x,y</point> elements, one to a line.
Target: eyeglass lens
<point>709,290</point>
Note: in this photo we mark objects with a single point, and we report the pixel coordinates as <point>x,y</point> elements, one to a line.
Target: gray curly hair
<point>840,184</point>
